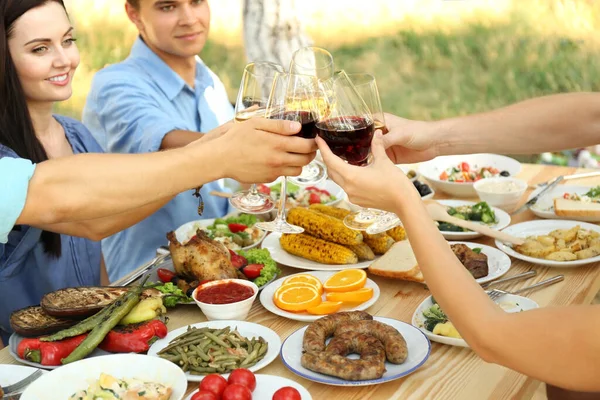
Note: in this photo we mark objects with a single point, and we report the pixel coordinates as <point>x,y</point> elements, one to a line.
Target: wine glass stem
<point>282,200</point>
<point>253,191</point>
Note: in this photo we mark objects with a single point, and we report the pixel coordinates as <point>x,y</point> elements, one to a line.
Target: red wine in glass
<point>348,137</point>
<point>306,118</point>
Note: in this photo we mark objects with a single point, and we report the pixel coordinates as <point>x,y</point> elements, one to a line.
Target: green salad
<point>480,212</point>
<point>235,232</point>
<point>262,256</point>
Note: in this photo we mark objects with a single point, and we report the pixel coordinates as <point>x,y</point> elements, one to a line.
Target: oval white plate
<point>509,302</point>
<point>543,227</point>
<point>502,217</point>
<point>246,329</point>
<point>266,298</point>
<point>11,374</point>
<point>15,339</point>
<point>498,262</point>
<point>186,231</point>
<point>63,382</point>
<point>417,343</point>
<point>544,207</point>
<point>432,169</point>
<point>267,385</point>
<point>329,185</point>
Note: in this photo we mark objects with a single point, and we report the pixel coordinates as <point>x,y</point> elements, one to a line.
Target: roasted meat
<point>201,258</point>
<point>475,263</point>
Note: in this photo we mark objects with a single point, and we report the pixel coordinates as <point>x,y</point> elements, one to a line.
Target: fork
<point>22,384</point>
<point>495,294</point>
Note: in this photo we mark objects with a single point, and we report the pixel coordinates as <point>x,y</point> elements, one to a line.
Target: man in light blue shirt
<point>160,97</point>
<point>15,174</point>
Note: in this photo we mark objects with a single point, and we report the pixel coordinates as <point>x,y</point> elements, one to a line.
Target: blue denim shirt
<point>15,174</point>
<point>26,271</point>
<point>131,106</point>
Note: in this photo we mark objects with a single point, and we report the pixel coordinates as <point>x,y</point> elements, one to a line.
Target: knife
<point>539,195</point>
<point>570,177</point>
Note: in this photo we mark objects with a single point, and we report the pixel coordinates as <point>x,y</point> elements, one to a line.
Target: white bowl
<point>432,169</point>
<point>235,311</point>
<point>507,201</point>
<point>62,382</point>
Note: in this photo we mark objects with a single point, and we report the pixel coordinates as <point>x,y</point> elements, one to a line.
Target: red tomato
<point>244,377</point>
<point>236,392</point>
<point>213,383</point>
<point>252,271</point>
<point>235,228</point>
<point>444,176</point>
<point>204,395</point>
<point>314,199</point>
<point>263,189</point>
<point>464,167</point>
<point>287,393</point>
<point>238,261</point>
<point>165,275</point>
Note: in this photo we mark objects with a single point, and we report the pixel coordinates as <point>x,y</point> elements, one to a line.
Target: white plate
<point>61,383</point>
<point>267,385</point>
<point>333,188</point>
<point>498,262</point>
<point>186,231</point>
<point>266,298</point>
<point>544,207</point>
<point>15,339</point>
<point>406,168</point>
<point>432,169</point>
<point>11,374</point>
<point>509,302</point>
<point>543,227</point>
<point>502,217</point>
<point>418,345</point>
<point>246,329</point>
<point>283,257</point>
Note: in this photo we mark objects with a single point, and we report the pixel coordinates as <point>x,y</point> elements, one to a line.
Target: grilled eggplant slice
<point>33,321</point>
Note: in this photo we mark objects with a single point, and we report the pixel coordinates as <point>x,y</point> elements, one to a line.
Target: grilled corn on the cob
<point>397,233</point>
<point>339,213</point>
<point>323,226</point>
<point>362,251</point>
<point>315,249</point>
<point>379,243</point>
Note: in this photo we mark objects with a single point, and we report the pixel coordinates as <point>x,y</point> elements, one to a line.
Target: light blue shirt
<point>132,105</point>
<point>15,174</point>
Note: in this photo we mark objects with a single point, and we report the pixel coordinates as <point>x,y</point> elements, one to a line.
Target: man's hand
<point>409,141</point>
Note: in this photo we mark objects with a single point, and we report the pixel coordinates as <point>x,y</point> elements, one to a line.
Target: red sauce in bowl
<point>224,293</point>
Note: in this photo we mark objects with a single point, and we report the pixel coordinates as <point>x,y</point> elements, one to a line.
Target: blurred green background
<point>432,58</point>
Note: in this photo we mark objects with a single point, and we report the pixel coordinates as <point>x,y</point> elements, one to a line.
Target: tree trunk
<point>272,32</point>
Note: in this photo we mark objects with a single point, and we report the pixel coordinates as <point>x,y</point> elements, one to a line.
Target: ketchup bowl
<point>226,298</point>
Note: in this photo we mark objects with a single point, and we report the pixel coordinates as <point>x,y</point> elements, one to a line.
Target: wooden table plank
<point>450,372</point>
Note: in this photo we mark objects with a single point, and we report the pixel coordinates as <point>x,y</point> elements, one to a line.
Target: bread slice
<point>398,262</point>
<point>575,208</point>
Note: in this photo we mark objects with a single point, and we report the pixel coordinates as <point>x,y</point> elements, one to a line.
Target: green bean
<point>216,339</point>
<point>183,355</point>
<point>202,370</point>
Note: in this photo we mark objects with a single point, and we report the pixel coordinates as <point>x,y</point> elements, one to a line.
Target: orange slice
<point>355,296</point>
<point>305,278</point>
<point>326,307</point>
<point>294,297</point>
<point>346,280</point>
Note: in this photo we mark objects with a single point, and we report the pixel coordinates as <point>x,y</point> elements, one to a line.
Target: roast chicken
<point>201,258</point>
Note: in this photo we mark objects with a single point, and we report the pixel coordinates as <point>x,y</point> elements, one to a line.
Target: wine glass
<point>366,86</point>
<point>347,127</point>
<point>252,98</point>
<point>294,98</point>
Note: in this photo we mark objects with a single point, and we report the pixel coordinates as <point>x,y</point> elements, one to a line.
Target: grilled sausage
<point>395,345</point>
<point>333,361</point>
<point>317,332</point>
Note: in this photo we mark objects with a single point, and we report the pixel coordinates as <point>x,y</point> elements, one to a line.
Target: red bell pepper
<point>48,353</point>
<point>135,338</point>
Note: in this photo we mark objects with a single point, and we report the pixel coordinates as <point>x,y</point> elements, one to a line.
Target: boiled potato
<point>566,234</point>
<point>588,253</point>
<point>561,256</point>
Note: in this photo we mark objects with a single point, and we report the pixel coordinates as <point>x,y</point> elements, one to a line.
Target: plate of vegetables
<point>327,192</point>
<point>480,212</point>
<point>434,323</point>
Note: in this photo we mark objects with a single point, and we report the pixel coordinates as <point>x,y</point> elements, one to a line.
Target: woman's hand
<point>377,185</point>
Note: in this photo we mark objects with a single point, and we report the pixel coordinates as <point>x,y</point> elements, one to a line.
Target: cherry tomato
<point>252,271</point>
<point>314,198</point>
<point>213,383</point>
<point>236,392</point>
<point>444,176</point>
<point>235,228</point>
<point>263,189</point>
<point>204,395</point>
<point>238,261</point>
<point>165,275</point>
<point>464,167</point>
<point>243,376</point>
<point>287,393</point>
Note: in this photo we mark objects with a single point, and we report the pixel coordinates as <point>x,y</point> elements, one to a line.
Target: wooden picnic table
<point>450,372</point>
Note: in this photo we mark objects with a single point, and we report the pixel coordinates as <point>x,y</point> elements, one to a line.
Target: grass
<point>427,67</point>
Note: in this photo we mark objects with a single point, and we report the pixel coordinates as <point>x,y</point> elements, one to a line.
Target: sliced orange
<point>326,307</point>
<point>346,280</point>
<point>356,296</point>
<point>299,284</point>
<point>295,297</point>
<point>305,278</point>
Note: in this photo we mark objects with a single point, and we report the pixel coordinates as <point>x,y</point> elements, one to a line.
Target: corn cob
<point>323,226</point>
<point>362,251</point>
<point>315,249</point>
<point>379,243</point>
<point>339,213</point>
<point>397,233</point>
